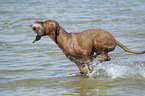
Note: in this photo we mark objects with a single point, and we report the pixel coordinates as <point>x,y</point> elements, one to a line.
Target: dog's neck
<point>61,37</point>
<point>62,33</point>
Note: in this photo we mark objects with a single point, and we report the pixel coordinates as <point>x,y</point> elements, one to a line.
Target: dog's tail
<point>128,50</point>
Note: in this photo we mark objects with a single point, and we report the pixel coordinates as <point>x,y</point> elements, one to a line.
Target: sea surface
<point>41,69</point>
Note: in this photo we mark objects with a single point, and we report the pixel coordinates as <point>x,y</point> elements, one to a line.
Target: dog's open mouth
<point>39,30</point>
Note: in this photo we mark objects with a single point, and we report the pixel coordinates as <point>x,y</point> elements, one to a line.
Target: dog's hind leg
<point>105,56</point>
<point>102,48</point>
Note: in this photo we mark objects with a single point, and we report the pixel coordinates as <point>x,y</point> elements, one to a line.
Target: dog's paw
<point>75,74</point>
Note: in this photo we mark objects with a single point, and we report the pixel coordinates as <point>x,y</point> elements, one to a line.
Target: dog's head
<point>48,27</point>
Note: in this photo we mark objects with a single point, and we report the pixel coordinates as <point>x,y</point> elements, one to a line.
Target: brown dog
<point>83,47</point>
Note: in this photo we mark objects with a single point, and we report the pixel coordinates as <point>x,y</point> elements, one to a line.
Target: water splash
<point>115,70</point>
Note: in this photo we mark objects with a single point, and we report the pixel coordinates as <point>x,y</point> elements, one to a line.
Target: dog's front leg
<point>87,60</point>
<point>82,69</point>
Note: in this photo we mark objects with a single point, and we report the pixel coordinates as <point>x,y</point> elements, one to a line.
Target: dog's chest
<point>71,47</point>
<point>77,60</point>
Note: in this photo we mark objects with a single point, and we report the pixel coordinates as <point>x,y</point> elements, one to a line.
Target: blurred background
<point>41,69</point>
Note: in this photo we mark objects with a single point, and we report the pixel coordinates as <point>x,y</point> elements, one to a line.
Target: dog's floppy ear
<point>55,26</point>
<point>51,26</point>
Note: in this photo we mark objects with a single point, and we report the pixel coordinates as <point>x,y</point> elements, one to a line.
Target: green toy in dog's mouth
<point>37,39</point>
<point>39,30</point>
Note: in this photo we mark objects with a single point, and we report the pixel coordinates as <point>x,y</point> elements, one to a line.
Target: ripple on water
<point>17,71</point>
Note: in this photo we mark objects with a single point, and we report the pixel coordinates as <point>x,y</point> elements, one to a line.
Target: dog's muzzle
<point>39,30</point>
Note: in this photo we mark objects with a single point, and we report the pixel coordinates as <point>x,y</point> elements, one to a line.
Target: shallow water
<point>41,69</point>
